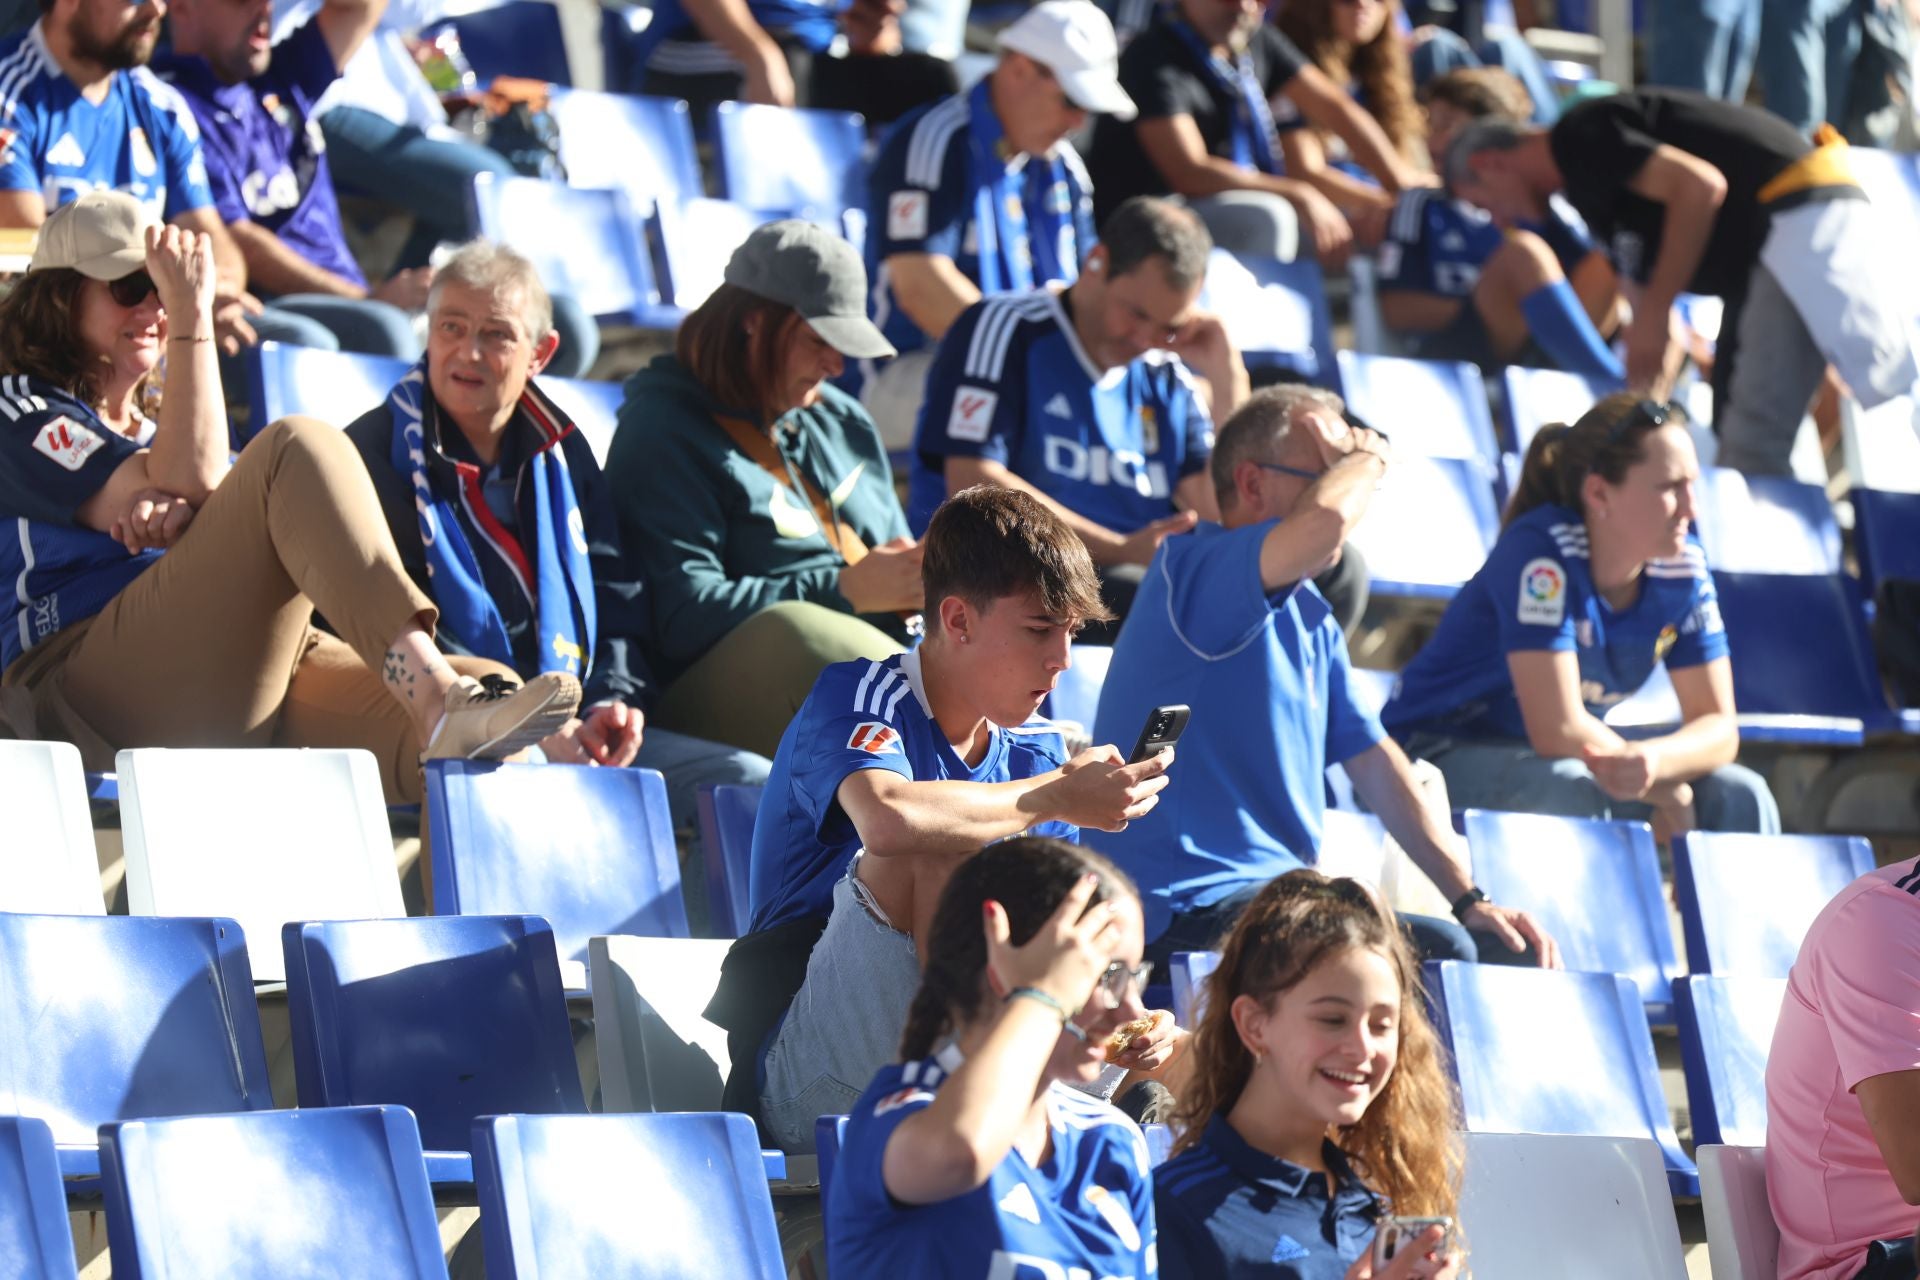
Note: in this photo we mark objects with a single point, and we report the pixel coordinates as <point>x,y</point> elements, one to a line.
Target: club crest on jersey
<point>874,738</point>
<point>67,442</point>
<point>1543,593</point>
<point>972,413</point>
<point>1149,430</point>
<point>1664,642</point>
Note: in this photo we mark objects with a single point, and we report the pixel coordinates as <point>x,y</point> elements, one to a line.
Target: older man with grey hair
<point>502,515</point>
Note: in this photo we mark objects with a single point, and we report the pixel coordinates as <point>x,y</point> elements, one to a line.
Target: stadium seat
<point>1536,397</point>
<point>1429,528</point>
<point>1429,408</point>
<point>1191,969</point>
<point>106,1018</point>
<point>1743,1242</point>
<point>333,386</point>
<point>590,851</point>
<point>821,167</point>
<point>594,407</point>
<point>1527,1198</point>
<point>1076,695</point>
<point>514,38</point>
<point>589,244</point>
<point>34,1241</point>
<point>643,146</point>
<point>1554,1051</point>
<point>338,1192</point>
<point>261,835</point>
<point>697,236</point>
<point>1765,524</point>
<point>641,1197</point>
<point>452,1016</point>
<point>726,814</point>
<point>1655,708</point>
<point>1726,1031</point>
<point>656,1049</point>
<point>1159,1143</point>
<point>1886,530</point>
<point>1354,845</point>
<point>47,859</point>
<point>828,1133</point>
<point>1881,445</point>
<point>1595,886</point>
<point>1746,901</point>
<point>1275,312</point>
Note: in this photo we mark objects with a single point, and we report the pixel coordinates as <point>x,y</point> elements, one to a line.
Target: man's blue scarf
<point>1254,135</point>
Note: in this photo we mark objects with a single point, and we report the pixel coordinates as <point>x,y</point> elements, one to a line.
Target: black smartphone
<point>1163,728</point>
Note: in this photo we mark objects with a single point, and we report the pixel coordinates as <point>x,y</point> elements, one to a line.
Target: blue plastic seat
<point>641,1197</point>
<point>726,813</point>
<point>34,1241</point>
<point>1076,694</point>
<point>1765,524</point>
<point>1886,530</point>
<point>1190,971</point>
<point>1554,1051</point>
<point>590,245</point>
<point>594,407</point>
<point>1536,397</point>
<point>828,1133</point>
<point>590,851</point>
<point>338,1192</point>
<point>1276,312</point>
<point>821,163</point>
<point>47,857</point>
<point>452,1016</point>
<point>696,239</point>
<point>106,1018</point>
<point>1726,1030</point>
<point>516,38</point>
<point>1746,901</point>
<point>333,386</point>
<point>1430,526</point>
<point>643,146</point>
<point>1430,408</point>
<point>1595,886</point>
<point>1159,1143</point>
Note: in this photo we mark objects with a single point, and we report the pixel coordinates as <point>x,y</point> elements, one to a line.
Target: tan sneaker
<point>492,718</point>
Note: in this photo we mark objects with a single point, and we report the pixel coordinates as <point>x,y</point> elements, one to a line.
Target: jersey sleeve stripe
<point>927,148</point>
<point>860,693</point>
<point>894,701</point>
<point>27,62</point>
<point>880,691</point>
<point>1408,213</point>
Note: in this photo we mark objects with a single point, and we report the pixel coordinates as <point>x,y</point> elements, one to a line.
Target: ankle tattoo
<point>398,674</point>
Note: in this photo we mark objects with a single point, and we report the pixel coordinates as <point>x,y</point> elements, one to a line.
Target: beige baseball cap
<point>1074,40</point>
<point>102,234</point>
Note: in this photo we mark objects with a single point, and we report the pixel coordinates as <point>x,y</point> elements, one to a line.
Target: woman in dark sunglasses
<point>1597,578</point>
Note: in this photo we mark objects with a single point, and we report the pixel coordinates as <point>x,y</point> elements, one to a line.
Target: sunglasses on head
<point>131,291</point>
<point>1647,413</point>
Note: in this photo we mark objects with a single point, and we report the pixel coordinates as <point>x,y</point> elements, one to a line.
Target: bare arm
<point>1598,289</point>
<point>1105,545</point>
<point>1196,494</point>
<point>1325,516</point>
<point>1382,779</point>
<point>1891,1104</point>
<point>346,24</point>
<point>1709,735</point>
<point>1306,158</point>
<point>22,209</point>
<point>931,290</point>
<point>1409,311</point>
<point>1177,150</point>
<point>1693,191</point>
<point>731,25</point>
<point>274,267</point>
<point>1547,685</point>
<point>1332,109</point>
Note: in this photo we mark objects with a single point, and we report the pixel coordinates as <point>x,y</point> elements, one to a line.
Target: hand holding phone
<point>1410,1248</point>
<point>1163,728</point>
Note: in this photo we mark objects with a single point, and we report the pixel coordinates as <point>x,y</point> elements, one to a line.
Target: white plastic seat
<point>263,836</point>
<point>1576,1208</point>
<point>657,1050</point>
<point>47,860</point>
<point>1742,1241</point>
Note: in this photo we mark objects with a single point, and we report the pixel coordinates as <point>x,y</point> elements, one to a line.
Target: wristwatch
<point>1468,901</point>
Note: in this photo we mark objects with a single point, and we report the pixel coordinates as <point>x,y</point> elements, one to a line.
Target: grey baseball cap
<point>101,234</point>
<point>816,273</point>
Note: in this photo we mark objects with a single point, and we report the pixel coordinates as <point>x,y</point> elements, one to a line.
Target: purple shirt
<point>266,161</point>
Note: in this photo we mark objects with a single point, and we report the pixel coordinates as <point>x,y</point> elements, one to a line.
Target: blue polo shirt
<point>140,138</point>
<point>946,183</point>
<point>266,160</point>
<point>1225,1209</point>
<point>1012,383</point>
<point>1087,1211</point>
<point>1273,705</point>
<point>864,715</point>
<point>1535,593</point>
<point>55,454</point>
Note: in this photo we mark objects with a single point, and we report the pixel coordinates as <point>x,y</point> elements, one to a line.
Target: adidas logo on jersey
<point>1059,408</point>
<point>1019,1202</point>
<point>67,153</point>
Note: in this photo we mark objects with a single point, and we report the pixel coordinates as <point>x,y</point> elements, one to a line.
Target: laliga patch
<point>895,1101</point>
<point>972,413</point>
<point>874,738</point>
<point>67,442</point>
<point>907,215</point>
<point>1543,593</point>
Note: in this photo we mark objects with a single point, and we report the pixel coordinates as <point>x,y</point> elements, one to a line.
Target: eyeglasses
<point>1111,990</point>
<point>1289,471</point>
<point>131,291</point>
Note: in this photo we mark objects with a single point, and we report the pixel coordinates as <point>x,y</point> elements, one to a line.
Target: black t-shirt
<point>1166,77</point>
<point>1602,144</point>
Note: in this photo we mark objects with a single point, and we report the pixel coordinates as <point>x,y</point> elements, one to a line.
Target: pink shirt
<point>1852,1011</point>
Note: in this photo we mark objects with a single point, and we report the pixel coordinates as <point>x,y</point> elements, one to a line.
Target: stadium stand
<point>518,38</point>
<point>1429,408</point>
<point>347,1184</point>
<point>697,236</point>
<point>47,858</point>
<point>1726,1028</point>
<point>1535,397</point>
<point>1742,1241</point>
<point>1190,972</point>
<point>643,146</point>
<point>656,1049</point>
<point>1745,901</point>
<point>726,814</point>
<point>590,244</point>
<point>1076,695</point>
<point>34,1244</point>
<point>1275,312</point>
<point>1765,524</point>
<point>1431,528</point>
<point>822,171</point>
<point>1887,536</point>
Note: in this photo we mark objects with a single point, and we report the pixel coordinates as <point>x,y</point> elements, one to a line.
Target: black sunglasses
<point>131,291</point>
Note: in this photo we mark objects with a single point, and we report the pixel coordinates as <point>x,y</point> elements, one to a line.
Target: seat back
<point>588,244</point>
<point>1881,445</point>
<point>1595,886</point>
<point>517,38</point>
<point>1429,528</point>
<point>821,165</point>
<point>333,386</point>
<point>260,835</point>
<point>591,851</point>
<point>1765,524</point>
<point>1353,845</point>
<point>1743,1241</point>
<point>1076,695</point>
<point>593,406</point>
<point>1275,312</point>
<point>1774,621</point>
<point>1554,1051</point>
<point>1431,408</point>
<point>828,1133</point>
<point>726,813</point>
<point>34,1242</point>
<point>657,1050</point>
<point>47,858</point>
<point>1536,397</point>
<point>1887,536</point>
<point>1746,901</point>
<point>1726,1031</point>
<point>644,1197</point>
<point>643,146</point>
<point>270,1194</point>
<point>1529,1197</point>
<point>453,1017</point>
<point>697,236</point>
<point>1191,969</point>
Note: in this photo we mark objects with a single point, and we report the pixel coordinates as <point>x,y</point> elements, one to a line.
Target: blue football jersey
<point>1085,1214</point>
<point>1535,593</point>
<point>864,715</point>
<point>140,138</point>
<point>55,454</point>
<point>1012,383</point>
<point>1435,244</point>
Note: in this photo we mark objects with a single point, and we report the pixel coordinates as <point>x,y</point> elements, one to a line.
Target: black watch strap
<point>1467,901</point>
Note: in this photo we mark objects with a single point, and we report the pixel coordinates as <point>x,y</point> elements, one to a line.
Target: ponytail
<point>1607,440</point>
<point>1539,482</point>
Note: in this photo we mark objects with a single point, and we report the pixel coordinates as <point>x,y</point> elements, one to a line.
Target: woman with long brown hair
<point>1317,1100</point>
